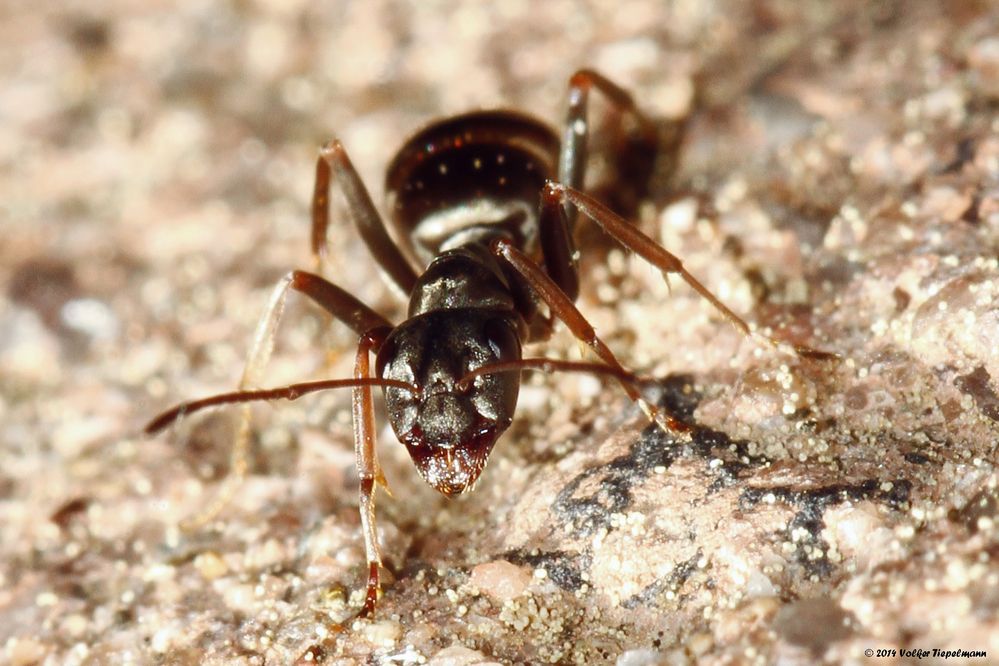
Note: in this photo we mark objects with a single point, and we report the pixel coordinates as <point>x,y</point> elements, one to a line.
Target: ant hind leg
<point>632,143</point>
<point>334,166</point>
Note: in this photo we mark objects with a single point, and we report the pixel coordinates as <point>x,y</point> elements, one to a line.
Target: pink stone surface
<point>838,184</point>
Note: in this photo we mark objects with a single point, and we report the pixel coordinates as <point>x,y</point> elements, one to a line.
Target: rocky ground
<point>837,183</point>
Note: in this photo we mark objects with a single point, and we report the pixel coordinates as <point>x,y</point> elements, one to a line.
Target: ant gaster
<point>463,196</point>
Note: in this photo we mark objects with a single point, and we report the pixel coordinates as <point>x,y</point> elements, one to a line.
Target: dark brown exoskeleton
<point>464,200</point>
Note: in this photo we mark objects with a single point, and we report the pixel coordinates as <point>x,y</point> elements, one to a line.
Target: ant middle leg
<point>667,262</point>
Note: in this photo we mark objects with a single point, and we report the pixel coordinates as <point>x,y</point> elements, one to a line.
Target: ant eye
<point>392,364</point>
<point>502,339</point>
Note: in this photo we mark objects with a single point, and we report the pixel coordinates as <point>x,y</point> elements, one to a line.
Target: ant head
<point>449,428</point>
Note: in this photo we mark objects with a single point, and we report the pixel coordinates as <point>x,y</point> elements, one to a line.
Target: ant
<point>463,198</point>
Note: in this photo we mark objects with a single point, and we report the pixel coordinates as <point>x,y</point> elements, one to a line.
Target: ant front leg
<point>334,162</point>
<point>368,470</point>
<point>331,298</point>
<point>373,329</point>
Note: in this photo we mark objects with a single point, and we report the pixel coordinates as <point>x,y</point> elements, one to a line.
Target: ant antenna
<point>290,392</point>
<point>655,414</point>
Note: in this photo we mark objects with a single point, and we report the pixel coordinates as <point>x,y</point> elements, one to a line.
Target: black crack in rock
<point>976,384</point>
<point>653,449</point>
<point>811,505</point>
<point>563,567</point>
<point>733,455</point>
<point>672,582</point>
<point>588,513</point>
<point>681,398</point>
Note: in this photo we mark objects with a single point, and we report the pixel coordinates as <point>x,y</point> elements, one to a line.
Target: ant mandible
<point>463,198</point>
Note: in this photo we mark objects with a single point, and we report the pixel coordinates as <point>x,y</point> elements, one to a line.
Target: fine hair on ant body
<point>463,197</point>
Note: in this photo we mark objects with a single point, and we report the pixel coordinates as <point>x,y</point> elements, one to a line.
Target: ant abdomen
<point>481,168</point>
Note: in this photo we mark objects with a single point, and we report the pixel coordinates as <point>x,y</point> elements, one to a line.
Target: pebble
<point>500,580</point>
<point>459,655</point>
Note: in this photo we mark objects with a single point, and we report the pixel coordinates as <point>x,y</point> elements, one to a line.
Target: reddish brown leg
<point>562,308</point>
<point>334,163</point>
<point>575,134</point>
<point>557,246</point>
<point>637,242</point>
<point>368,470</point>
<point>658,256</point>
<point>334,300</point>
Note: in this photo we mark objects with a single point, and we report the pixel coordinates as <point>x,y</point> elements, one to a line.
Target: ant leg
<point>343,306</point>
<point>557,222</point>
<point>667,262</point>
<point>334,300</point>
<point>557,247</point>
<point>373,329</point>
<point>641,144</point>
<point>334,162</point>
<point>562,308</point>
<point>368,470</point>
